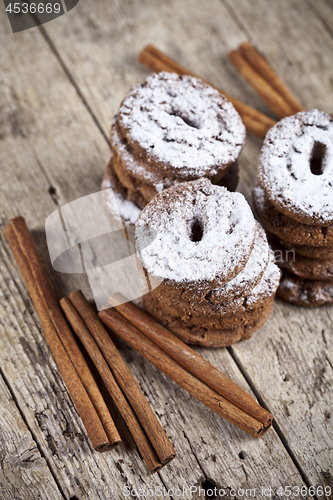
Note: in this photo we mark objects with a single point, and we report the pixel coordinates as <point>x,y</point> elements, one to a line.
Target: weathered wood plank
<point>202,43</point>
<point>293,40</point>
<point>324,11</point>
<point>106,39</point>
<point>60,431</point>
<point>295,376</point>
<point>48,409</point>
<point>69,151</point>
<point>26,359</point>
<point>295,381</point>
<point>22,466</point>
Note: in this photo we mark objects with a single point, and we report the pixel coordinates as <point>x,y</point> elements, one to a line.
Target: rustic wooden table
<point>61,84</point>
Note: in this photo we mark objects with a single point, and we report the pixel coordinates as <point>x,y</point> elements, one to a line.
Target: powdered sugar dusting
<point>117,205</point>
<point>284,167</point>
<point>260,197</point>
<point>132,164</point>
<point>268,284</point>
<point>228,229</point>
<point>245,281</point>
<point>183,124</point>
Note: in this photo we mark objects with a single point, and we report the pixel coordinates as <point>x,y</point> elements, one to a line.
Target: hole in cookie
<point>317,160</point>
<point>196,230</point>
<point>186,119</point>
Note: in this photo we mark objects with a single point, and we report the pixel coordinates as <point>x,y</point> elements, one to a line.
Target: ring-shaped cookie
<point>205,235</point>
<point>250,275</point>
<point>286,228</point>
<point>181,125</point>
<point>296,167</point>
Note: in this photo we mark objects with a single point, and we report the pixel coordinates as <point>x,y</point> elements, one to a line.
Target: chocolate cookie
<point>304,267</point>
<point>179,125</point>
<point>224,315</point>
<point>296,166</point>
<point>169,130</point>
<point>136,167</point>
<point>208,337</point>
<point>191,302</point>
<point>250,275</point>
<point>240,286</point>
<point>121,204</point>
<point>205,236</point>
<point>229,179</point>
<point>312,252</point>
<point>214,320</point>
<point>303,292</point>
<point>288,229</point>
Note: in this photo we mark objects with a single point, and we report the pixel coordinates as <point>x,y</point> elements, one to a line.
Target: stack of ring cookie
<point>211,269</point>
<point>294,203</point>
<point>169,130</point>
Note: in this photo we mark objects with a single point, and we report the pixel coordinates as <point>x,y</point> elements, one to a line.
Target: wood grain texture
<point>22,466</point>
<point>206,443</point>
<point>296,377</point>
<point>293,40</point>
<point>295,381</point>
<point>29,366</point>
<point>324,11</point>
<point>53,152</point>
<point>106,39</point>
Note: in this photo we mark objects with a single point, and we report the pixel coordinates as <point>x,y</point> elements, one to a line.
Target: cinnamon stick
<point>254,121</point>
<point>141,440</point>
<point>189,359</point>
<point>178,374</point>
<point>43,285</point>
<point>85,408</point>
<point>265,81</point>
<point>125,379</point>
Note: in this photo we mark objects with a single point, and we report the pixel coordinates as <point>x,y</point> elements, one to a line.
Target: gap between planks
<point>51,189</point>
<point>73,82</point>
<point>71,79</point>
<point>275,425</point>
<point>35,438</point>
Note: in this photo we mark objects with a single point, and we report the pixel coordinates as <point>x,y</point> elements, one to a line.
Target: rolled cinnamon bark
<point>190,359</point>
<point>141,440</point>
<point>125,379</point>
<point>265,81</point>
<point>178,374</point>
<point>84,406</point>
<point>274,100</point>
<point>263,68</point>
